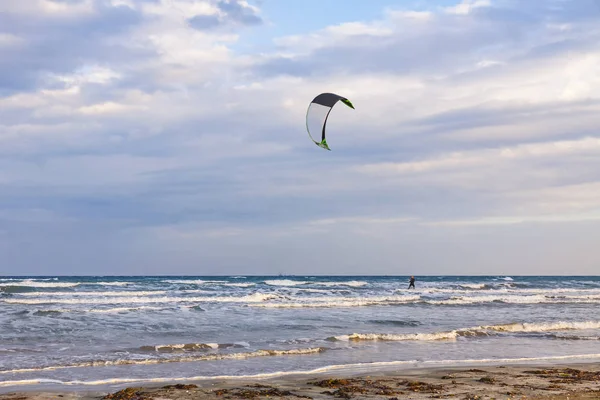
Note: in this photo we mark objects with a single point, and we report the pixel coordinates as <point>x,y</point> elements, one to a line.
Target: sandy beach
<point>574,381</point>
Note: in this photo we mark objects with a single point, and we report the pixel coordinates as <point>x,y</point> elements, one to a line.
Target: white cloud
<point>514,220</point>
<point>50,8</point>
<point>108,107</point>
<point>466,6</point>
<point>490,158</point>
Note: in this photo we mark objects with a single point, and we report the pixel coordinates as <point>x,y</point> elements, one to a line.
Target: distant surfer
<point>412,282</point>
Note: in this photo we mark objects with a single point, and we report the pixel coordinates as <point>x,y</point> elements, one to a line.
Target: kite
<point>318,112</point>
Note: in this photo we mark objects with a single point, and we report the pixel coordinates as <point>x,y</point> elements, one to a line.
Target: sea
<point>98,333</point>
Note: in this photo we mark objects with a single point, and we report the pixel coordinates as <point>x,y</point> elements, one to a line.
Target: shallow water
<point>73,331</point>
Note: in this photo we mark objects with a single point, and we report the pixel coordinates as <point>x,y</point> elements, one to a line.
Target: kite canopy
<point>318,112</point>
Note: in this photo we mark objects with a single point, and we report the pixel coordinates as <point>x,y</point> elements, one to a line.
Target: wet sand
<point>573,382</point>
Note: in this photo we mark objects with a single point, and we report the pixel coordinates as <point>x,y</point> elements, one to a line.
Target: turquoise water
<point>92,332</point>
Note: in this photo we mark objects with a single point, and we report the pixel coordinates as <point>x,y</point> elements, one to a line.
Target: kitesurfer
<point>412,282</point>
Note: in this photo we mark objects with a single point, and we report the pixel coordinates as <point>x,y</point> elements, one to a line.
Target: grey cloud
<point>235,12</point>
<point>552,10</point>
<point>238,12</point>
<point>485,116</point>
<point>203,22</point>
<point>58,46</point>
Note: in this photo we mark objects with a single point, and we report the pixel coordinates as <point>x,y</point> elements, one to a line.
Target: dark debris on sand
<point>487,379</point>
<point>347,388</point>
<point>179,386</point>
<point>423,387</point>
<point>127,394</point>
<point>567,375</point>
<point>254,391</point>
<point>137,393</point>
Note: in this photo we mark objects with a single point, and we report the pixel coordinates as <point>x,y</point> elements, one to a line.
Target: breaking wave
<point>148,361</point>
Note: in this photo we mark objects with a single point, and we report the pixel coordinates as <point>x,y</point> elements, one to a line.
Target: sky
<point>167,137</point>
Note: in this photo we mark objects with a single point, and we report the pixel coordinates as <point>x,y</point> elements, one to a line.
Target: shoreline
<point>506,381</point>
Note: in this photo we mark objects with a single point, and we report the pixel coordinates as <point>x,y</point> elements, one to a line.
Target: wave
<point>149,361</point>
<point>570,337</point>
<point>515,299</point>
<point>396,337</point>
<point>475,286</point>
<point>311,290</point>
<point>280,300</point>
<point>284,282</point>
<point>191,347</point>
<point>329,302</point>
<point>256,297</point>
<point>395,322</point>
<point>349,283</point>
<point>113,310</point>
<point>97,294</point>
<point>543,326</point>
<point>478,331</point>
<point>38,284</point>
<point>108,283</point>
<point>288,282</point>
<point>193,282</point>
<point>493,289</point>
<point>241,285</point>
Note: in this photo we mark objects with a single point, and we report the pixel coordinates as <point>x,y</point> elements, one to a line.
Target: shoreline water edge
<point>577,381</point>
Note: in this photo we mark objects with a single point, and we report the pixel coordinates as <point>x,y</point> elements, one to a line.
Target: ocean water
<point>92,332</point>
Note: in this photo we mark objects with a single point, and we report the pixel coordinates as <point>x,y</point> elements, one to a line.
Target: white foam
<point>329,302</point>
<point>256,297</point>
<point>452,335</point>
<point>95,294</point>
<point>309,290</point>
<point>242,285</point>
<point>473,285</point>
<point>193,282</point>
<point>284,282</point>
<point>473,331</point>
<point>108,283</point>
<point>514,299</point>
<point>32,283</point>
<point>542,327</point>
<point>151,361</point>
<point>119,309</point>
<point>349,283</point>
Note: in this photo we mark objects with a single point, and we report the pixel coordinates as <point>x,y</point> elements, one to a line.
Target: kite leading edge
<point>318,112</point>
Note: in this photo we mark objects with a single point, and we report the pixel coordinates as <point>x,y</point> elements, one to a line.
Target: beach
<point>99,335</point>
<point>576,381</point>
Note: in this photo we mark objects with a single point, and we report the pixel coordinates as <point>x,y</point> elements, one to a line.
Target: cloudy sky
<point>168,137</point>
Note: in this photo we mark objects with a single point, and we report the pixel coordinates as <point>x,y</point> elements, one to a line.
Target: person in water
<point>412,282</point>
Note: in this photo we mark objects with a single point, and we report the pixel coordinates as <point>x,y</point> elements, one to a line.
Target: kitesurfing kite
<point>318,112</point>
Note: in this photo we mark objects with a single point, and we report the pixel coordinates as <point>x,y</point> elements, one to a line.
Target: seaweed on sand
<point>180,386</point>
<point>127,394</point>
<point>257,391</point>
<point>346,388</point>
<point>567,375</point>
<point>423,387</point>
